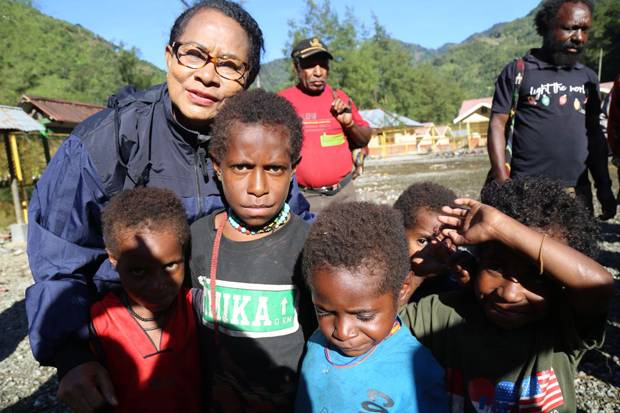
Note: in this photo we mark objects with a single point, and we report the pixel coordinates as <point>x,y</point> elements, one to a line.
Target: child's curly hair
<point>365,239</point>
<point>255,106</point>
<point>144,209</point>
<point>543,203</point>
<point>422,195</point>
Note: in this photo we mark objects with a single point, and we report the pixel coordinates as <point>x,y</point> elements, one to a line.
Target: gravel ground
<point>27,387</point>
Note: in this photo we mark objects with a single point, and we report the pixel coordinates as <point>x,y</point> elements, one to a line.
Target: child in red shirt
<point>145,333</point>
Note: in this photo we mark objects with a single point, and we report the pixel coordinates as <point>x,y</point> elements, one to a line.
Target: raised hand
<point>87,388</point>
<point>342,111</point>
<point>472,222</point>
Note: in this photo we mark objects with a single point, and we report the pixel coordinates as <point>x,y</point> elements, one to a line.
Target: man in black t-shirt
<point>556,130</point>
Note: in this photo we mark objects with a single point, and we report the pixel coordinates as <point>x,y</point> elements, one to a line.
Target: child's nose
<point>343,330</point>
<point>258,183</point>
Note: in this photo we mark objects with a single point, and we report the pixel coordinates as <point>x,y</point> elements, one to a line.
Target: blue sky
<point>145,24</point>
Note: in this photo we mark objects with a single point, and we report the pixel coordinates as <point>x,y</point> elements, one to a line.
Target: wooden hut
<point>59,116</point>
<point>15,122</point>
<point>392,134</point>
<point>474,116</point>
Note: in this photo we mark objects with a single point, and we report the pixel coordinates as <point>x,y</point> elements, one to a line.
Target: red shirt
<point>325,153</point>
<point>145,379</point>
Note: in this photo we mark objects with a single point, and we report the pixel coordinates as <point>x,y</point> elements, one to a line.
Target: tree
<point>375,69</point>
<point>605,36</point>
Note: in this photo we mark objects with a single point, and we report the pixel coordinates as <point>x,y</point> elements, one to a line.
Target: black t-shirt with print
<point>261,311</point>
<point>550,137</point>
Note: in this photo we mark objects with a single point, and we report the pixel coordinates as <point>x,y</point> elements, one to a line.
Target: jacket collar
<point>179,131</point>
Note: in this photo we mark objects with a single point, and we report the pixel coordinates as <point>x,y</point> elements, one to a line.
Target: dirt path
<point>27,387</point>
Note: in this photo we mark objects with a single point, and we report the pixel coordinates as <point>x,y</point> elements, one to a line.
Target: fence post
<point>18,181</point>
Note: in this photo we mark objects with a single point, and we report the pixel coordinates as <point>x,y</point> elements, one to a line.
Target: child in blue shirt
<point>356,264</point>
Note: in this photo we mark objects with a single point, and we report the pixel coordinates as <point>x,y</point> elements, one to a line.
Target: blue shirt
<point>400,375</point>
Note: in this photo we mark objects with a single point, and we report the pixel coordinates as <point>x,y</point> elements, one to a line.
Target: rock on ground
<point>27,387</point>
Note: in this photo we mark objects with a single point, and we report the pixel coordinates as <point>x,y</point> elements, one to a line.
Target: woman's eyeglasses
<point>193,56</point>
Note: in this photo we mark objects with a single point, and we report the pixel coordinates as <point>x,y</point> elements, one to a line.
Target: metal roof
<point>379,118</point>
<point>15,119</point>
<point>58,110</point>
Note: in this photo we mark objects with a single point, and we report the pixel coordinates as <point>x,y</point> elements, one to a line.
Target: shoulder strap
<point>124,97</point>
<point>519,75</point>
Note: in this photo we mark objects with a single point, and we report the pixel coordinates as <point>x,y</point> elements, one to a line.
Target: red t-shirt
<point>145,379</point>
<point>325,153</point>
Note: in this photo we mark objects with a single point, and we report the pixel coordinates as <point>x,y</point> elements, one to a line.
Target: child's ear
<point>407,289</point>
<point>112,258</point>
<point>217,168</point>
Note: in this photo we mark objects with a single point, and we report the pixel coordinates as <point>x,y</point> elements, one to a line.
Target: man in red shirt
<point>332,126</point>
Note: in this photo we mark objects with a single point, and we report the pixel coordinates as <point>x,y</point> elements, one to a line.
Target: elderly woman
<point>157,138</point>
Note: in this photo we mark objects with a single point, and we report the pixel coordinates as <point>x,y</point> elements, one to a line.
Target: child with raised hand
<point>361,359</point>
<point>145,333</point>
<point>538,303</point>
<point>435,261</point>
<point>244,259</point>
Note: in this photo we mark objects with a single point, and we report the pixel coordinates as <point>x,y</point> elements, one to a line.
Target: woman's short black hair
<point>549,10</point>
<point>546,204</point>
<point>422,195</point>
<point>255,106</point>
<point>367,240</point>
<point>143,209</point>
<point>238,14</point>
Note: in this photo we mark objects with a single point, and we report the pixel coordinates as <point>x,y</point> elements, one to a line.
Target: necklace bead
<point>277,222</point>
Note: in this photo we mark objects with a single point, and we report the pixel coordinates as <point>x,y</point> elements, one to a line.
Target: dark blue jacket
<point>105,154</point>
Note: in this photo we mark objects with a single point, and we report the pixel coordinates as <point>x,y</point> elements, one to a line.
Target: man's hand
<point>87,388</point>
<point>342,111</point>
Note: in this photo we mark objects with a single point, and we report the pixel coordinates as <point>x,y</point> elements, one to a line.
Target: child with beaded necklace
<point>244,259</point>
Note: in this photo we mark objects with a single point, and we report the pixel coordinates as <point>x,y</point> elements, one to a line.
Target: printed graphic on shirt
<point>540,393</point>
<point>250,310</point>
<point>332,140</point>
<point>377,401</point>
<point>555,88</point>
<point>563,100</point>
<point>545,94</point>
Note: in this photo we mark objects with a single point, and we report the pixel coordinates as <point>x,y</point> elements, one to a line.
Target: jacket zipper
<point>199,212</point>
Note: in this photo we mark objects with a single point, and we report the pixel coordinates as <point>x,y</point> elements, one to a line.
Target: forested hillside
<point>429,85</point>
<point>45,56</point>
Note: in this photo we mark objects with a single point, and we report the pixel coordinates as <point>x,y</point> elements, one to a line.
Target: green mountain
<point>49,57</point>
<point>276,74</point>
<point>476,62</point>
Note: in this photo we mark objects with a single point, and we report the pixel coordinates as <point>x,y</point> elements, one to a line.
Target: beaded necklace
<point>272,225</point>
<point>358,359</point>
